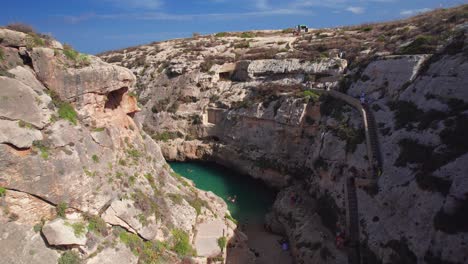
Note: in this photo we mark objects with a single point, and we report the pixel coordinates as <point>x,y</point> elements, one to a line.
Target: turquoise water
<point>254,198</point>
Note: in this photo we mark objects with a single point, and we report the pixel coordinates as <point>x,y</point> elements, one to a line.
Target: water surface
<point>253,197</point>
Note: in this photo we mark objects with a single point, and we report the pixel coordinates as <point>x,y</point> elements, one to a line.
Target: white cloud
<point>411,12</point>
<point>145,4</point>
<point>355,9</point>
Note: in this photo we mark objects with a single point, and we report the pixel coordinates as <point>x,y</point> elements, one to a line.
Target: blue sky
<point>93,26</point>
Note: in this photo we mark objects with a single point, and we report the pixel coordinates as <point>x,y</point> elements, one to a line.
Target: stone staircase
<point>354,254</point>
<point>372,128</point>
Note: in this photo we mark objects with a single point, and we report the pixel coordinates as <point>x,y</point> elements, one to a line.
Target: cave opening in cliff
<point>114,98</point>
<point>225,76</point>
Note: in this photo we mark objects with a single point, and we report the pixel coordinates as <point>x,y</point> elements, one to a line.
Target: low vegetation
<point>96,224</point>
<point>222,242</point>
<point>2,191</point>
<point>147,251</point>
<point>70,257</point>
<point>78,58</point>
<point>78,228</point>
<point>423,44</point>
<point>181,243</point>
<point>229,217</point>
<point>42,148</point>
<point>67,112</point>
<point>61,209</point>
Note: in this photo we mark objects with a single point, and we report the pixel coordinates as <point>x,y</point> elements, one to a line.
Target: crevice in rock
<point>15,147</point>
<point>33,195</point>
<point>26,59</point>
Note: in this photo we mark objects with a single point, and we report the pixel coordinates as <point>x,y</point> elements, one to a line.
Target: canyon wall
<point>79,178</point>
<point>258,103</point>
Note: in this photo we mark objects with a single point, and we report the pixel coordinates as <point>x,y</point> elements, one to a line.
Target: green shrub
<point>148,252</point>
<point>69,257</point>
<point>134,153</point>
<point>166,136</point>
<point>247,35</point>
<point>311,95</point>
<point>38,227</point>
<point>2,191</point>
<point>221,34</point>
<point>24,124</point>
<point>197,204</point>
<point>176,198</point>
<point>70,53</point>
<point>61,209</point>
<point>42,148</point>
<point>67,112</point>
<point>366,29</point>
<point>181,244</point>
<point>228,216</point>
<point>421,45</point>
<point>222,242</point>
<point>2,55</point>
<point>75,56</point>
<point>95,158</point>
<point>97,225</point>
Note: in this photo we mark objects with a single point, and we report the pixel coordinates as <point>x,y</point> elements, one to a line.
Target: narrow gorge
<point>346,145</point>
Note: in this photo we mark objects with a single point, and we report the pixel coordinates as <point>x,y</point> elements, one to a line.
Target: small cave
<point>114,98</point>
<point>225,76</point>
<point>26,59</point>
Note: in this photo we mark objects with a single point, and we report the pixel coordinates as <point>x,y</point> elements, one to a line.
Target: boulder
<point>13,38</point>
<point>125,214</point>
<point>12,133</point>
<point>206,239</point>
<point>60,232</point>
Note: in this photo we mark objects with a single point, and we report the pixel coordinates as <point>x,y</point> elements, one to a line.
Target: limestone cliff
<point>283,108</point>
<point>79,178</point>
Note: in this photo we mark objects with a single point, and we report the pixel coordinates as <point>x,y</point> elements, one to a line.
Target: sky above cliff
<point>93,26</point>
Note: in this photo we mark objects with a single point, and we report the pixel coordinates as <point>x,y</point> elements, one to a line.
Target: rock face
<point>248,104</point>
<point>20,244</point>
<point>69,147</point>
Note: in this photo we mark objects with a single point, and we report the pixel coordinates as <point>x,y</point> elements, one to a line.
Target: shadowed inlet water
<point>253,197</point>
